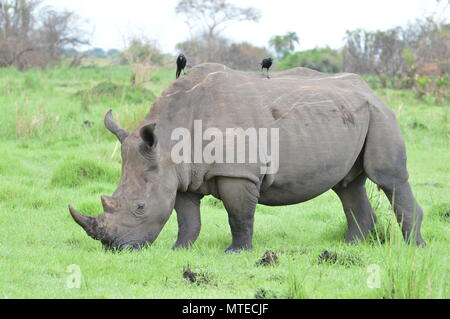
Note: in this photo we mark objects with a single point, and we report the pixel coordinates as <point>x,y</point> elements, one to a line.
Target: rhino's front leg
<point>187,206</point>
<point>239,197</point>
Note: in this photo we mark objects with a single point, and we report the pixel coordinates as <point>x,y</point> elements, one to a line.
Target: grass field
<point>54,150</point>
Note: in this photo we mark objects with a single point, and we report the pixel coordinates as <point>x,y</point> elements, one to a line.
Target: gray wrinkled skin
<point>334,134</point>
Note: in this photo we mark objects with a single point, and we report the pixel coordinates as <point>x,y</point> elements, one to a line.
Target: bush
<point>437,87</point>
<point>128,94</point>
<point>320,59</point>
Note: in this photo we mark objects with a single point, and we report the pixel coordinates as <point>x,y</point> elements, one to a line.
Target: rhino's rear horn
<point>114,127</point>
<point>109,204</point>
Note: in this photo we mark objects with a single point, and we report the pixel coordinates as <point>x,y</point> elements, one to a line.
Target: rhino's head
<point>141,205</point>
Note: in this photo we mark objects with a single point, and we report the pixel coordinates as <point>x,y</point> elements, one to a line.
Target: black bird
<point>181,64</point>
<point>266,64</point>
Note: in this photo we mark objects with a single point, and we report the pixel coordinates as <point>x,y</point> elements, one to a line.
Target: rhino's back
<point>322,121</point>
<point>213,92</point>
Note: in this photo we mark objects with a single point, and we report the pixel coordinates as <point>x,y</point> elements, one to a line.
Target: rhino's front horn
<point>84,221</point>
<point>114,127</point>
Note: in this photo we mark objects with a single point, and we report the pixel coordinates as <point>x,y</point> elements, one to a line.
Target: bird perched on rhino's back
<point>266,64</point>
<point>181,64</point>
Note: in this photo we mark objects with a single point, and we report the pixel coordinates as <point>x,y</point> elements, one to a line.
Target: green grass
<point>54,151</point>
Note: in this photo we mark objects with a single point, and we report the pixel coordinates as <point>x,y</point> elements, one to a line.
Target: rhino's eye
<point>140,206</point>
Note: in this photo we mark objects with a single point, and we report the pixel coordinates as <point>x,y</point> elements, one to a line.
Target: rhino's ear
<point>149,141</point>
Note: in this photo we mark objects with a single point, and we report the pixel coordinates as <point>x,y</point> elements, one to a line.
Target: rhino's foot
<point>411,239</point>
<point>358,233</point>
<point>184,245</point>
<point>420,242</point>
<point>237,249</point>
<point>354,239</point>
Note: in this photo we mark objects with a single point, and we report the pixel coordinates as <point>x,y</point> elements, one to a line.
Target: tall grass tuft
<point>411,273</point>
<point>295,288</point>
<point>34,122</point>
<point>407,271</point>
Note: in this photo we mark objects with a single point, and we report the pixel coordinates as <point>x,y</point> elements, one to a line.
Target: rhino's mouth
<point>131,245</point>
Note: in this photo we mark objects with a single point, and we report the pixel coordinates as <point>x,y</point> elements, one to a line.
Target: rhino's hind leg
<point>408,212</point>
<point>187,206</point>
<point>357,209</point>
<point>385,165</point>
<point>239,197</point>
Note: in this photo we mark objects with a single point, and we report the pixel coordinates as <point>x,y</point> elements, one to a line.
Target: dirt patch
<point>441,211</point>
<point>332,257</point>
<point>269,258</point>
<point>417,125</point>
<point>328,257</point>
<point>294,251</point>
<point>213,202</point>
<point>262,293</point>
<point>198,278</point>
<point>87,123</point>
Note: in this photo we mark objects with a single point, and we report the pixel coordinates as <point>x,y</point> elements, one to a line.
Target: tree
<point>245,56</point>
<point>240,56</point>
<point>202,48</point>
<point>284,44</point>
<point>213,16</point>
<point>142,54</point>
<point>30,37</point>
<point>112,53</point>
<point>393,52</point>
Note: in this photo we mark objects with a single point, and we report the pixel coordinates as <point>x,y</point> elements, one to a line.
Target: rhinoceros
<point>332,133</point>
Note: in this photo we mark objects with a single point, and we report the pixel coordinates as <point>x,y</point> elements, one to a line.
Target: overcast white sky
<point>317,22</point>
